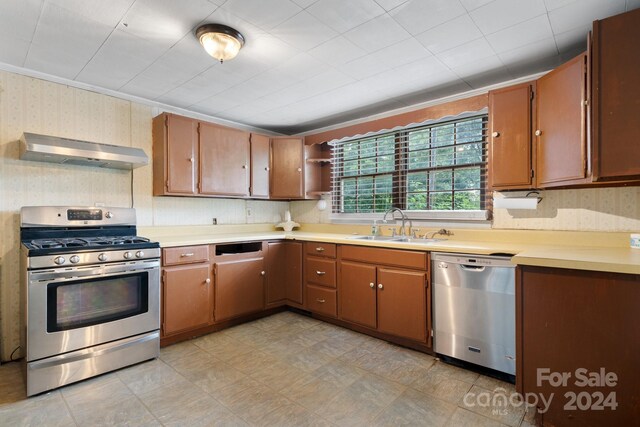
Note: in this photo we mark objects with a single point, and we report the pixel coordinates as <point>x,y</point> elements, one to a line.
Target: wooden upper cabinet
<point>561,126</point>
<point>510,149</point>
<point>175,155</point>
<point>260,166</point>
<point>402,302</point>
<point>615,60</point>
<point>287,168</point>
<point>224,161</point>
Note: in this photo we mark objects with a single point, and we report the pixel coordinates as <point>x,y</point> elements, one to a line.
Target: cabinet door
<point>293,270</point>
<point>239,288</point>
<point>561,137</point>
<point>284,272</point>
<point>510,137</point>
<point>357,293</point>
<point>186,298</point>
<point>402,296</point>
<point>616,97</point>
<point>259,166</point>
<point>224,161</point>
<point>286,168</point>
<point>182,155</point>
<point>276,269</point>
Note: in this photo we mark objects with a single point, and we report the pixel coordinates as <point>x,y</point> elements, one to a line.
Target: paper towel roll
<point>516,202</point>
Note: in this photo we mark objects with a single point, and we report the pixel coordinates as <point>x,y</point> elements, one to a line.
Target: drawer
<point>320,271</point>
<point>320,249</point>
<point>322,300</point>
<point>379,256</point>
<point>185,255</point>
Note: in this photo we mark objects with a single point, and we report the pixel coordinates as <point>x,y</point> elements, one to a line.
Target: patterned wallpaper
<point>601,209</point>
<point>592,209</point>
<point>33,105</point>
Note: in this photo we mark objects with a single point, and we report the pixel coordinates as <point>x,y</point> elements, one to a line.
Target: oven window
<point>83,303</point>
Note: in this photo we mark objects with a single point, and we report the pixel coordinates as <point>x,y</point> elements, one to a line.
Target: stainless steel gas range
<point>91,293</point>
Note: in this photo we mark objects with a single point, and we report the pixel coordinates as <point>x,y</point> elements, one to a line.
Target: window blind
<point>436,167</point>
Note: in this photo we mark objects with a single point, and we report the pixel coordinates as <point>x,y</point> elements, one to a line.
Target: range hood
<point>43,148</point>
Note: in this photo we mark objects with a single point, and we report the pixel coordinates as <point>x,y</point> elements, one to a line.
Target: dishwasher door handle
<point>472,267</point>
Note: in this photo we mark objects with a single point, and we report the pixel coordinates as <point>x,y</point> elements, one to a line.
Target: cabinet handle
<point>192,160</point>
<point>380,286</point>
<point>538,132</point>
<point>186,255</point>
<point>244,166</point>
<point>207,281</point>
<point>263,273</point>
<point>267,169</point>
<point>320,300</point>
<point>299,169</point>
<point>319,249</point>
<point>495,134</point>
<point>371,285</point>
<point>321,273</point>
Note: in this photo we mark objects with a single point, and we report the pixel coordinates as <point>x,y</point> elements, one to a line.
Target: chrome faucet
<point>404,220</point>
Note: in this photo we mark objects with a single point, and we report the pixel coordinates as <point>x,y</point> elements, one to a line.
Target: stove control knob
<point>108,215</point>
<point>128,255</point>
<point>59,260</point>
<point>103,257</point>
<point>139,254</point>
<point>74,259</point>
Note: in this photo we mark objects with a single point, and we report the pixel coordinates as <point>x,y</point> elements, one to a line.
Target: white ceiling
<point>306,63</point>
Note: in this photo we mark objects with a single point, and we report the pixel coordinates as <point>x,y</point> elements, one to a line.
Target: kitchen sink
<point>401,239</point>
<point>379,238</point>
<point>420,240</point>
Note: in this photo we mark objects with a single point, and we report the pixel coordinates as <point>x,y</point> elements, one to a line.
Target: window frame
<point>401,172</point>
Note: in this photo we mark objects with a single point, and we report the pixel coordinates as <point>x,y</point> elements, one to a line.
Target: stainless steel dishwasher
<point>474,309</point>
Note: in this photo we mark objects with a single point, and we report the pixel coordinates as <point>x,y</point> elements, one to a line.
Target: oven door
<point>79,307</point>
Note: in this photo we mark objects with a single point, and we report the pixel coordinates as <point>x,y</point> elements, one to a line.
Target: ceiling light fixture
<point>220,41</point>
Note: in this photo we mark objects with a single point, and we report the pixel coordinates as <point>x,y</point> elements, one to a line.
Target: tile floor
<point>282,370</point>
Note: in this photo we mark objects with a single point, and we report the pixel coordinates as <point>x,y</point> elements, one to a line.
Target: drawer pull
<point>321,300</point>
<point>319,249</point>
<point>207,281</point>
<point>188,254</point>
<point>380,286</point>
<point>321,273</point>
<point>371,285</point>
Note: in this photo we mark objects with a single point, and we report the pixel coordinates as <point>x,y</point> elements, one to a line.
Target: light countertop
<point>527,250</point>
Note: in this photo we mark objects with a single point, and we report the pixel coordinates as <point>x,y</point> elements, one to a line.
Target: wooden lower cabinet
<point>239,288</point>
<point>321,300</point>
<point>187,298</point>
<point>391,300</point>
<point>402,307</point>
<point>284,273</point>
<point>357,294</point>
<point>568,320</point>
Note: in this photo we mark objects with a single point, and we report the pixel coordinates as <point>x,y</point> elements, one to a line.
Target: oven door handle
<point>93,352</point>
<point>55,276</point>
<point>52,276</point>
